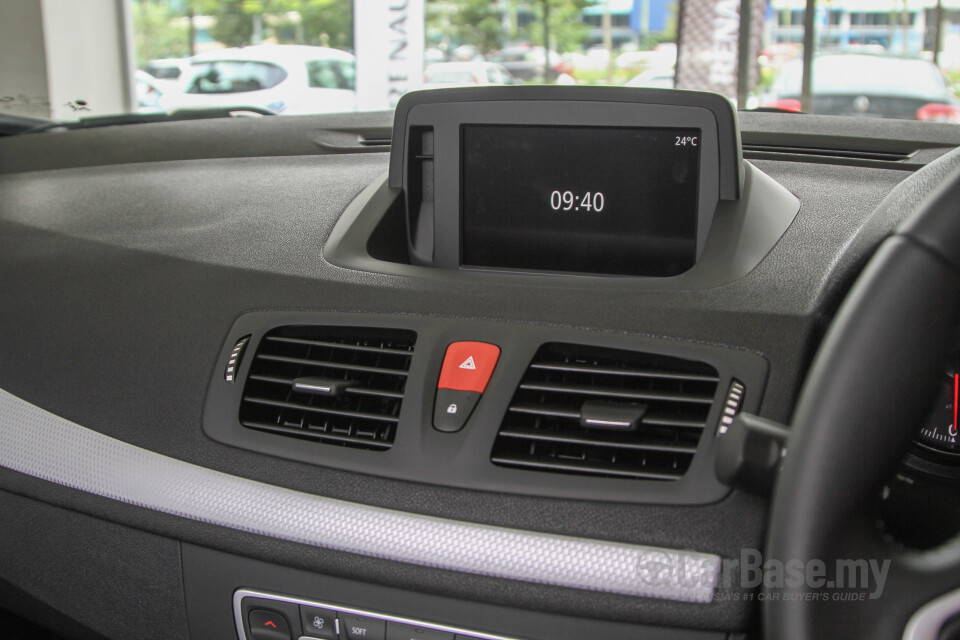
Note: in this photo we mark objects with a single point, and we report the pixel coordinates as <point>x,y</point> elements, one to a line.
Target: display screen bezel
<point>612,257</point>
<point>446,120</point>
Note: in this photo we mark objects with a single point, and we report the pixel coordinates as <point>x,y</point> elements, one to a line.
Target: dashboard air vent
<point>333,384</point>
<point>607,412</point>
<point>754,151</point>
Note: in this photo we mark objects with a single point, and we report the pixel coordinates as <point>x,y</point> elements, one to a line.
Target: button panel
<point>466,370</point>
<point>326,621</point>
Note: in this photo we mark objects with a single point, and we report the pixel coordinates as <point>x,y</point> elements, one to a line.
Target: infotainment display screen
<point>609,200</point>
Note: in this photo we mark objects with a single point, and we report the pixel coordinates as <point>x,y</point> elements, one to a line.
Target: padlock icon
<point>452,408</point>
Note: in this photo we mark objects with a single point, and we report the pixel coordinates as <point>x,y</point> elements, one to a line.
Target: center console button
<point>362,627</point>
<point>318,623</point>
<point>398,631</point>
<point>268,625</point>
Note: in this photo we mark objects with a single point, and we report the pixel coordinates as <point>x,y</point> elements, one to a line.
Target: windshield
<point>856,58</point>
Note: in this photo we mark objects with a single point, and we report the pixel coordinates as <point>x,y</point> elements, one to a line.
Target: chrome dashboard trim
<point>928,620</point>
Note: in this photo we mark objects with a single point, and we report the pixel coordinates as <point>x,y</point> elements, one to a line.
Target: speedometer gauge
<point>939,430</point>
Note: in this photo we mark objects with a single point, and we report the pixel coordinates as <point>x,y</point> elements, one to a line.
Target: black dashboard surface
<point>119,281</point>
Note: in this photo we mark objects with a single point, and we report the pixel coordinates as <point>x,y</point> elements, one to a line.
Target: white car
<point>449,74</point>
<point>147,91</point>
<point>286,79</point>
<point>168,73</point>
<point>653,79</point>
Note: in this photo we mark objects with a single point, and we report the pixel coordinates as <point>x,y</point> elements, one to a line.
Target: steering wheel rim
<point>867,389</point>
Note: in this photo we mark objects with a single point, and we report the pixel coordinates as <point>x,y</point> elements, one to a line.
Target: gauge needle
<point>956,397</point>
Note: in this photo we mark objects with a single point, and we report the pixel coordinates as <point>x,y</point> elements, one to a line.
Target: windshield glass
<point>855,58</point>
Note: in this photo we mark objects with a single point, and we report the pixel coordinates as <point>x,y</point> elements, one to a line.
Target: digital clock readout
<point>613,200</point>
<point>569,201</point>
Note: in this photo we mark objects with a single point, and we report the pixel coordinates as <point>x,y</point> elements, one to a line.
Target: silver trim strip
<point>240,594</point>
<point>40,444</point>
<point>926,622</point>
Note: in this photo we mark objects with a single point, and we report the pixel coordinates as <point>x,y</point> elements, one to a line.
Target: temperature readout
<point>683,141</point>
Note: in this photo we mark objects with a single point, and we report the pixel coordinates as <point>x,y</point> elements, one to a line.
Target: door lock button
<point>452,408</point>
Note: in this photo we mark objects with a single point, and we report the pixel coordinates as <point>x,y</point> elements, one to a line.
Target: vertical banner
<point>708,40</point>
<point>388,40</point>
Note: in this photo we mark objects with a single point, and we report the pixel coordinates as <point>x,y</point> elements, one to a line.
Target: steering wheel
<point>868,389</point>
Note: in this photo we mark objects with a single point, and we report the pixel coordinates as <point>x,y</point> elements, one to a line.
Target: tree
<point>328,22</point>
<point>236,19</point>
<point>566,28</point>
<point>233,26</point>
<point>157,33</point>
<point>478,22</point>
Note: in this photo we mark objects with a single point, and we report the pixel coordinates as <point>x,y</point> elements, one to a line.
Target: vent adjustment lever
<point>750,452</point>
<point>617,416</point>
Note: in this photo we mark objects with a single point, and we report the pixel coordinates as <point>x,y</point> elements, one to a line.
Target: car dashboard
<point>222,398</point>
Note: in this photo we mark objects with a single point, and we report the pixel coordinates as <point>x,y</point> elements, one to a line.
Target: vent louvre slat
<point>337,345</point>
<point>316,435</point>
<point>572,467</point>
<point>363,412</point>
<point>615,393</point>
<point>332,365</point>
<point>551,366</point>
<point>543,429</point>
<point>306,407</point>
<point>644,446</point>
<point>357,390</point>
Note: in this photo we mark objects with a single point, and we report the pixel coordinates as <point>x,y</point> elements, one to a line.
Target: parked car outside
<point>868,85</point>
<point>654,79</point>
<point>168,73</point>
<point>449,74</point>
<point>147,91</point>
<point>526,62</point>
<point>286,79</point>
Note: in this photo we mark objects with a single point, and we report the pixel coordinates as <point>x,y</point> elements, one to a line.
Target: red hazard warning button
<point>468,366</point>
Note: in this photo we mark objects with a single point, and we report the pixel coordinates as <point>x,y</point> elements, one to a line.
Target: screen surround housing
<point>434,231</point>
